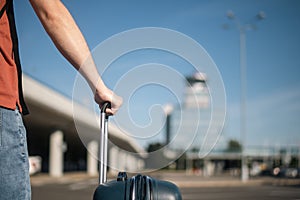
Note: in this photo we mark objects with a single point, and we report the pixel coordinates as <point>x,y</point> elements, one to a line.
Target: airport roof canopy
<point>51,110</point>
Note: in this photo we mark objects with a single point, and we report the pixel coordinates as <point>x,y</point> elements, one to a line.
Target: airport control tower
<point>196,92</point>
<point>183,121</point>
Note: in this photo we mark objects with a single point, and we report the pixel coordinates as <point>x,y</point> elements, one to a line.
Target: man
<point>62,29</point>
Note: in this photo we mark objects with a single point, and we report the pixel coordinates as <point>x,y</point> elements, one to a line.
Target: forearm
<point>67,37</point>
<point>69,40</point>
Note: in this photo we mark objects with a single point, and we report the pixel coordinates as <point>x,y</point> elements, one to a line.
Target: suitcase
<point>138,187</point>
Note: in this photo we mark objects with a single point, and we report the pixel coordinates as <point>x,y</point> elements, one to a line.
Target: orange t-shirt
<point>9,93</point>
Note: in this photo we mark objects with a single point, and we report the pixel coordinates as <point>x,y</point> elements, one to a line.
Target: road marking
<point>82,184</point>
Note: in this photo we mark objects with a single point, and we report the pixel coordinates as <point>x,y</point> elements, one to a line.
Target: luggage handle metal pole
<point>103,143</point>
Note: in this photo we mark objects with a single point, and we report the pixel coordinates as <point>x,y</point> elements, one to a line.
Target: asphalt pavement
<point>77,186</point>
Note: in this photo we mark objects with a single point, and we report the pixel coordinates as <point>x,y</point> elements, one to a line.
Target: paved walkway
<point>181,179</point>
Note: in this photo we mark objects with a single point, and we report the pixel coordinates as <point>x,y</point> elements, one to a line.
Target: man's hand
<point>103,95</point>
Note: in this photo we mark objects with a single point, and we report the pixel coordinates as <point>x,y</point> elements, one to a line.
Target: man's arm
<point>67,37</point>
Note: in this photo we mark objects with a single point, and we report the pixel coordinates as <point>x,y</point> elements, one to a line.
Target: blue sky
<point>273,61</point>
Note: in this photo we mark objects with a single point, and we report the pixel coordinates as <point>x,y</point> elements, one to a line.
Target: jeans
<point>14,164</point>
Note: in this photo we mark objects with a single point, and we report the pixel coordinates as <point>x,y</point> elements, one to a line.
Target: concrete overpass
<point>52,134</point>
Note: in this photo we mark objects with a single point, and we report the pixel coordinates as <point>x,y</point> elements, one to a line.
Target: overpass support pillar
<point>56,157</point>
<point>92,155</point>
<point>209,168</point>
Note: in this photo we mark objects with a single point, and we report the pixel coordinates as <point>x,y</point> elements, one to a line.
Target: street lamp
<point>168,109</point>
<point>242,28</point>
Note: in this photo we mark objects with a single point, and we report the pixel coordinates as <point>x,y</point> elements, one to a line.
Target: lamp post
<point>168,109</point>
<point>242,28</point>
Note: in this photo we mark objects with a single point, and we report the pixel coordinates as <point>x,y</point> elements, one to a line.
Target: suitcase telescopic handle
<point>103,143</point>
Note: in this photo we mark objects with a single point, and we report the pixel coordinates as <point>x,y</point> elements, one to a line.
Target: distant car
<point>286,172</point>
<point>35,164</point>
<point>291,173</point>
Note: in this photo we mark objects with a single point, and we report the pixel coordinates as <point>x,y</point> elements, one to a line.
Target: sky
<point>272,49</point>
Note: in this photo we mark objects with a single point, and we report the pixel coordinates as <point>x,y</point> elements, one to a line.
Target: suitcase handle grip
<point>105,106</point>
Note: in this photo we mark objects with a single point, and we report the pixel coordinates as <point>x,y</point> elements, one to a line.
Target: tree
<point>154,146</point>
<point>234,146</point>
